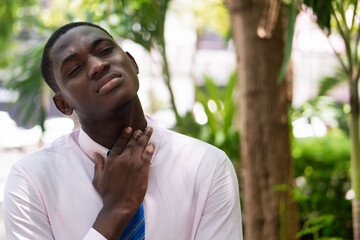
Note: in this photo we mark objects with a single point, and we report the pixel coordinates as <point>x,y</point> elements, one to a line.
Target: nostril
<point>94,74</point>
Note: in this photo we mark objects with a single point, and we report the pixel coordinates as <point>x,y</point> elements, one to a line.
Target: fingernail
<point>150,149</point>
<point>148,131</point>
<point>127,132</point>
<point>137,134</point>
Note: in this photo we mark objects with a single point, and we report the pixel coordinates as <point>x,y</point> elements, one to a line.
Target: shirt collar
<point>89,146</point>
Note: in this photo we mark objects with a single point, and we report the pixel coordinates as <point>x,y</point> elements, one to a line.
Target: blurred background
<point>190,82</point>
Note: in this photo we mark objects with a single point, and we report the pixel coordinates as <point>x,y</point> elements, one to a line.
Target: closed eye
<point>106,51</point>
<point>74,71</point>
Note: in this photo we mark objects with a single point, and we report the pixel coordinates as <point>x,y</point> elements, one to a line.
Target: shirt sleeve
<point>24,212</point>
<point>221,218</point>
<point>94,235</point>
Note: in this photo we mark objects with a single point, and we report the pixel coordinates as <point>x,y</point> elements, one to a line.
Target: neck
<point>107,131</point>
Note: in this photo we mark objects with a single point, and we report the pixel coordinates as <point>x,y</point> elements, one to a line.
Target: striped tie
<point>135,230</point>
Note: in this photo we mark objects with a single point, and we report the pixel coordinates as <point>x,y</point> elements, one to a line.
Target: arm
<point>221,217</point>
<point>24,213</point>
<point>122,181</point>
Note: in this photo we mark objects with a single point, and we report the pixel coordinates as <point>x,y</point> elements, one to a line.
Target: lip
<point>108,82</point>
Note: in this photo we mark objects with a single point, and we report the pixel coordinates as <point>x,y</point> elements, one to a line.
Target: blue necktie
<point>135,230</point>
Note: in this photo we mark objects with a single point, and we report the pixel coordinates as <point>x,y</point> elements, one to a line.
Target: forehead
<point>78,37</point>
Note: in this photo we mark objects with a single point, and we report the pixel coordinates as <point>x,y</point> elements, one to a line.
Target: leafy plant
<point>332,113</point>
<point>33,94</point>
<point>341,16</point>
<point>219,106</point>
<point>322,181</point>
<point>314,225</point>
<point>328,83</point>
<point>9,11</point>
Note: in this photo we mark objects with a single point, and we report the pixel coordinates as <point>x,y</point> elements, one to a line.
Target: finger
<point>122,141</point>
<point>148,131</point>
<point>133,141</point>
<point>99,167</point>
<point>143,141</point>
<point>148,153</point>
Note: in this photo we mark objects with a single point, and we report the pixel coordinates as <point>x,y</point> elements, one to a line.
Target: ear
<point>62,105</point>
<point>133,62</point>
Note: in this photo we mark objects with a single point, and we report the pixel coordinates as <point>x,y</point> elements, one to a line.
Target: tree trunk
<point>269,208</point>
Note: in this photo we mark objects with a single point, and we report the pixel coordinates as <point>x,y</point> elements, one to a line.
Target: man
<point>119,176</point>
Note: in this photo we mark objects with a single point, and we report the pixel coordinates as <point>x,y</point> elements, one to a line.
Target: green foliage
<point>9,17</point>
<point>322,10</point>
<point>22,55</point>
<point>212,15</point>
<point>25,78</point>
<point>328,83</point>
<point>292,13</point>
<point>332,113</point>
<point>322,177</point>
<point>219,107</point>
<point>336,110</point>
<point>141,21</point>
<point>314,225</point>
<point>6,15</point>
<point>339,16</point>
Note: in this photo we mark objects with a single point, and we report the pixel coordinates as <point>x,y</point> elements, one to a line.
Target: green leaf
<point>289,41</point>
<point>328,83</point>
<point>229,101</point>
<point>314,225</point>
<point>212,90</point>
<point>322,10</point>
<point>211,118</point>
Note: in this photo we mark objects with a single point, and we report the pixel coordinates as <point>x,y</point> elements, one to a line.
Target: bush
<point>322,181</point>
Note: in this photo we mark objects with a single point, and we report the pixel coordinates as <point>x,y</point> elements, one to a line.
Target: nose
<point>97,67</point>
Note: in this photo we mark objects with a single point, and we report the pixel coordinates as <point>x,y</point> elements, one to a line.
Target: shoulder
<point>49,155</point>
<point>186,152</point>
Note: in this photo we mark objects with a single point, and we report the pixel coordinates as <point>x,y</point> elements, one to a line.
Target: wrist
<point>111,223</point>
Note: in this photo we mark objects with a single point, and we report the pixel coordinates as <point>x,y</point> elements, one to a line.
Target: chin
<point>126,103</point>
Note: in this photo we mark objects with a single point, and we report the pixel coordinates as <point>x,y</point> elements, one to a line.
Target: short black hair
<point>46,62</point>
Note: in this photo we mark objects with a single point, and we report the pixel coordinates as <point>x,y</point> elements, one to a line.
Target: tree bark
<point>269,207</point>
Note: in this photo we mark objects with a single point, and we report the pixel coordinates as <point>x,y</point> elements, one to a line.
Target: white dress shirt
<point>192,192</point>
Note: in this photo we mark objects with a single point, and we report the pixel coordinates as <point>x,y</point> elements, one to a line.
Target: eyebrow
<point>73,55</point>
<point>67,59</point>
<point>98,41</point>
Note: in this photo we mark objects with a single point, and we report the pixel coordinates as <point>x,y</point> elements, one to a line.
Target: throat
<point>107,130</point>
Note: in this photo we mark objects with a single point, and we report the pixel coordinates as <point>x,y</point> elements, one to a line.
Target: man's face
<point>95,76</point>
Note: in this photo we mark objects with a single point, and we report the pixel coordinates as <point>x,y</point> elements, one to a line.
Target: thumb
<point>99,167</point>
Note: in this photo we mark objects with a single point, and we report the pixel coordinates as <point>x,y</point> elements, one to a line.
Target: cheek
<point>78,94</point>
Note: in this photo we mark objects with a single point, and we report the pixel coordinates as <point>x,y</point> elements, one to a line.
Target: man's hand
<point>122,181</point>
